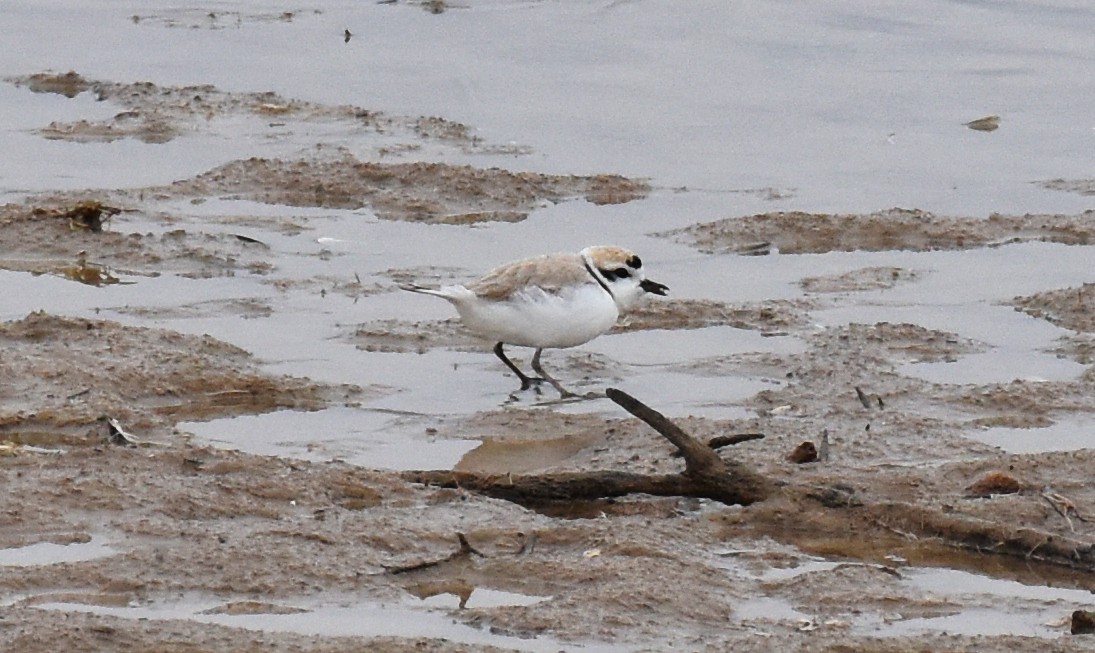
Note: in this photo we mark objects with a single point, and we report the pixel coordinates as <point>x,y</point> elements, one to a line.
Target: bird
<point>553,301</point>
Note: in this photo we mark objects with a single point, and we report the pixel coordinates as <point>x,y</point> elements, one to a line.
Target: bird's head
<point>620,271</point>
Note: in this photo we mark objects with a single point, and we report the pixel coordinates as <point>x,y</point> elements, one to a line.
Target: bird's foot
<point>527,383</point>
<point>570,398</point>
<point>565,394</point>
<point>532,382</point>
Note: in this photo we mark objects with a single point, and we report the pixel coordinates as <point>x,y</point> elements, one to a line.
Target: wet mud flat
<point>157,541</point>
<point>221,535</point>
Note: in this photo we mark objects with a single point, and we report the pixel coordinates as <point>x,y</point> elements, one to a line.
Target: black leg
<point>526,381</point>
<point>563,392</point>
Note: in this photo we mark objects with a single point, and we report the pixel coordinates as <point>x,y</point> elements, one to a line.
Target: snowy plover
<point>551,301</point>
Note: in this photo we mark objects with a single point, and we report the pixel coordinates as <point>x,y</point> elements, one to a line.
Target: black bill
<point>654,287</point>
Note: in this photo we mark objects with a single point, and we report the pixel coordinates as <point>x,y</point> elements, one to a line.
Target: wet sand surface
<point>242,322</point>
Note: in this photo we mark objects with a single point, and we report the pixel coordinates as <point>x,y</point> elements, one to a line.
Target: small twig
<point>1038,545</point>
<point>721,441</point>
<point>118,435</point>
<point>527,545</point>
<point>1064,507</point>
<point>466,550</point>
<point>869,401</point>
<point>77,395</point>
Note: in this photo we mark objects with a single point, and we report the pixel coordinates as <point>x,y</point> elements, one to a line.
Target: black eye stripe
<point>612,275</point>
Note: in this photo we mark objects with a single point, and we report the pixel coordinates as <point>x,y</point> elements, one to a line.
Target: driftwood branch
<point>562,486</point>
<point>698,458</point>
<point>706,475</point>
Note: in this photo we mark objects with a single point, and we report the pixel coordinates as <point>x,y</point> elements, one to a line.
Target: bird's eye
<point>622,273</point>
<point>608,274</point>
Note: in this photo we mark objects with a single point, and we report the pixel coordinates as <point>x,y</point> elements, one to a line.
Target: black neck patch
<point>597,277</point>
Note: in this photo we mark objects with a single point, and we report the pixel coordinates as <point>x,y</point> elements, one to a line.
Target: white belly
<point>538,319</point>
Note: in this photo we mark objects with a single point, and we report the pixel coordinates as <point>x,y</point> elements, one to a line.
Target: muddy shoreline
<point>184,536</point>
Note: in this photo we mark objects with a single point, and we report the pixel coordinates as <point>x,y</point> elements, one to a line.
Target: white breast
<point>534,318</point>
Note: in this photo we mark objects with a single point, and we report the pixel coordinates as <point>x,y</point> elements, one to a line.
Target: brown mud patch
<point>769,316</point>
<point>308,521</point>
<point>402,336</point>
<point>246,308</point>
<point>157,114</point>
<point>436,193</point>
<point>1071,308</point>
<point>64,374</point>
<point>873,278</point>
<point>49,242</point>
<point>1027,403</point>
<point>895,229</point>
<point>199,18</point>
<point>1081,186</point>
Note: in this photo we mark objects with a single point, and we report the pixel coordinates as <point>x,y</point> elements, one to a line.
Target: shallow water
<point>849,106</point>
<point>1009,608</point>
<point>357,616</point>
<point>371,438</point>
<point>728,109</point>
<point>1065,434</point>
<point>968,603</point>
<point>48,553</point>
